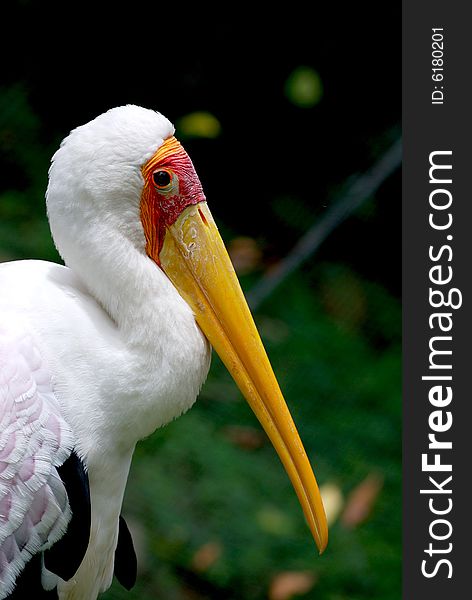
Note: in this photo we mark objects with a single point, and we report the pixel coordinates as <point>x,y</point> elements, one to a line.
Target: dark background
<point>430,128</point>
<point>294,104</point>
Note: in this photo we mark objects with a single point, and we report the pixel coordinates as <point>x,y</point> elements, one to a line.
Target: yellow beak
<point>193,256</point>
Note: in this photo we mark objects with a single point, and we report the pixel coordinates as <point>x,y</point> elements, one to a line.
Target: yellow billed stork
<point>98,354</point>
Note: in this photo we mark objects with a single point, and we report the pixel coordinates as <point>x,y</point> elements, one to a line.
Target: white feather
<point>123,350</point>
<point>34,440</point>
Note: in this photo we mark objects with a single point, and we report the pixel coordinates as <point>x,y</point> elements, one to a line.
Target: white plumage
<point>98,354</point>
<point>34,440</point>
<point>118,373</point>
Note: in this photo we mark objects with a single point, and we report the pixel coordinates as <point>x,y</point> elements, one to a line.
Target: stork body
<point>113,388</point>
<point>96,355</point>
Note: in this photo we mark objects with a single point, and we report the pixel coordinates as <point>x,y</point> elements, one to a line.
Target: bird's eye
<point>161,179</point>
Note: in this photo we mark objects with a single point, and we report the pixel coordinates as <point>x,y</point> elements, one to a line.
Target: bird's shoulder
<point>26,282</point>
<point>52,300</point>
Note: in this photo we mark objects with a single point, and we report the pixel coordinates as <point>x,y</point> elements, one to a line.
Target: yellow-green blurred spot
<point>272,520</point>
<point>198,125</point>
<point>304,87</point>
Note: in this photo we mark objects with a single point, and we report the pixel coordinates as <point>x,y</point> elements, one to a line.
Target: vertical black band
<point>437,295</point>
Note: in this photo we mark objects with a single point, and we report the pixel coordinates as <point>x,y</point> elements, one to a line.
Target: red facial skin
<point>160,207</point>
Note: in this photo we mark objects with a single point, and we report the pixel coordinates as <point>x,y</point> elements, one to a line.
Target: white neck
<point>162,358</point>
<point>131,288</point>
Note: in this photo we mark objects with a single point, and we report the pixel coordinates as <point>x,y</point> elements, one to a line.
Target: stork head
<point>132,180</point>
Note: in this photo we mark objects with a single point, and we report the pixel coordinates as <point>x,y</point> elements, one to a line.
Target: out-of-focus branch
<point>362,187</point>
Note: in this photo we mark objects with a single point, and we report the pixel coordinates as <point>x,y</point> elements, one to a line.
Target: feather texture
<point>124,356</point>
<point>34,441</point>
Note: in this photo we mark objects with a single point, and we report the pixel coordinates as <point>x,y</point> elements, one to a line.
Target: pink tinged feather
<point>9,548</point>
<point>9,446</point>
<point>23,534</point>
<point>38,506</point>
<point>5,506</point>
<point>27,469</point>
<point>34,439</point>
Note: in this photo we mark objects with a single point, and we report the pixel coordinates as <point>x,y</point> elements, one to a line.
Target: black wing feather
<point>126,564</point>
<point>65,556</point>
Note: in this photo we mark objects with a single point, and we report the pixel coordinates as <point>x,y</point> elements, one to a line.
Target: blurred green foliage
<point>24,232</point>
<point>211,509</point>
<point>199,124</point>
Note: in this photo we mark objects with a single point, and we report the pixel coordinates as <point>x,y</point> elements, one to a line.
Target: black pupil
<point>161,178</point>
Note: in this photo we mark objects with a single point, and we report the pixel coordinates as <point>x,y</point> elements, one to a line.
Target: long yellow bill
<point>194,257</point>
